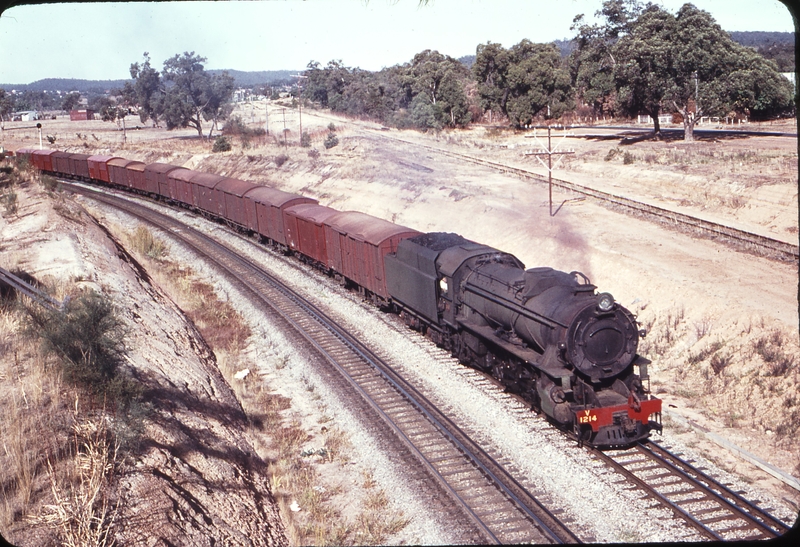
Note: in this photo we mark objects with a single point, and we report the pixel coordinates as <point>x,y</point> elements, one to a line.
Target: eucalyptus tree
<point>524,82</point>
<point>682,63</point>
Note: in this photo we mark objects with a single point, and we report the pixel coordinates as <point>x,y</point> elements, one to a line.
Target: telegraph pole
<point>549,152</point>
<point>300,104</point>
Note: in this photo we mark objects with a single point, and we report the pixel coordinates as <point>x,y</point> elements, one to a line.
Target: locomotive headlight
<point>605,302</point>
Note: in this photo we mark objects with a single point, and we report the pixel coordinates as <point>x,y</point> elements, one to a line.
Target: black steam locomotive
<point>543,333</point>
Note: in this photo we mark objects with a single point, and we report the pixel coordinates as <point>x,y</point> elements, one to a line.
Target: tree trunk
<point>656,123</point>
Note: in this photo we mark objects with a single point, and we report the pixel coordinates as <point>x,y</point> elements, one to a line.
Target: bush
<point>331,140</point>
<point>627,159</point>
<point>331,127</point>
<point>9,202</point>
<point>88,338</point>
<point>281,159</point>
<point>144,242</point>
<point>305,140</point>
<point>313,153</point>
<point>221,144</point>
<point>50,183</point>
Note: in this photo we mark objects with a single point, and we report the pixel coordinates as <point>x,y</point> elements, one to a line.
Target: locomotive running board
<point>527,355</point>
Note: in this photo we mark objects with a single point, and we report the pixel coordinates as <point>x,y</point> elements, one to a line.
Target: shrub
<point>144,242</point>
<point>331,140</point>
<point>281,159</point>
<point>313,153</point>
<point>305,140</point>
<point>50,183</point>
<point>221,144</point>
<point>88,338</point>
<point>331,127</point>
<point>627,159</point>
<point>9,202</point>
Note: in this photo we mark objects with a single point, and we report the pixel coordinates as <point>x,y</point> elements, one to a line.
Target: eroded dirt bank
<point>191,476</point>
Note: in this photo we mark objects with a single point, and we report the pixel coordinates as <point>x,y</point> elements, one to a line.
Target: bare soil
<point>722,324</point>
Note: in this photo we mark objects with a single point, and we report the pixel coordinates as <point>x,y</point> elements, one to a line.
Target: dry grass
<point>750,380</point>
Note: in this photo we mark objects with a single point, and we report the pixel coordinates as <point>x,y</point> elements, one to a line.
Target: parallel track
<point>501,509</point>
<point>756,243</point>
<point>705,504</point>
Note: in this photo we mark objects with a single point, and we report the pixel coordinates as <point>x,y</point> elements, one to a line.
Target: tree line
<point>641,59</point>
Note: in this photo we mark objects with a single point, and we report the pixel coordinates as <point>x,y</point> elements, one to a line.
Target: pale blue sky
<point>100,41</point>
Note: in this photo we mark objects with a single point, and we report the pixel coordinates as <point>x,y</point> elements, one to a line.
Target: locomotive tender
<point>544,334</point>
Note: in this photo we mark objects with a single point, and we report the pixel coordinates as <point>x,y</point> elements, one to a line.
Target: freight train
<point>545,334</point>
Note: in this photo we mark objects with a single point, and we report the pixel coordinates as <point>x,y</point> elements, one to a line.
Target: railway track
<point>498,506</point>
<point>761,245</point>
<point>714,510</point>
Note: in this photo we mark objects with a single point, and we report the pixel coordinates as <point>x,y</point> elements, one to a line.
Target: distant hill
<point>242,78</point>
<point>776,46</point>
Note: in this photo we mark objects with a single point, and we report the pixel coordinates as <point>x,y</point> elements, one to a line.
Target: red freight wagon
<point>357,244</point>
<point>43,160</point>
<point>179,185</point>
<point>135,171</point>
<point>79,165</point>
<point>304,230</point>
<point>98,167</point>
<point>60,162</point>
<point>155,178</point>
<point>264,208</point>
<point>203,194</point>
<point>24,154</point>
<point>117,174</point>
<point>231,191</point>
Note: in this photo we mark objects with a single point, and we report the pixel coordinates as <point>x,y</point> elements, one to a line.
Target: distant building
<point>25,116</point>
<point>79,115</point>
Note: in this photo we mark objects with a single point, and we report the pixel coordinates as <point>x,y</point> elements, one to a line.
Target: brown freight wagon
<point>305,232</point>
<point>24,154</point>
<point>155,178</point>
<point>117,174</point>
<point>79,165</point>
<point>264,207</point>
<point>98,167</point>
<point>203,194</point>
<point>135,171</point>
<point>180,186</point>
<point>60,162</point>
<point>357,243</point>
<point>231,191</point>
<point>80,115</point>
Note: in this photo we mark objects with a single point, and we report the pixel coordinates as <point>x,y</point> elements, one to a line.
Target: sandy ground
<point>692,294</point>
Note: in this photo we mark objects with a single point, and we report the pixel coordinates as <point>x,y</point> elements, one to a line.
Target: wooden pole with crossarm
<point>549,152</point>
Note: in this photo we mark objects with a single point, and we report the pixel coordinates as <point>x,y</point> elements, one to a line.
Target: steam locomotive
<point>545,334</point>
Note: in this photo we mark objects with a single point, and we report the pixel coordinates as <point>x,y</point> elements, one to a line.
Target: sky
<point>99,41</point>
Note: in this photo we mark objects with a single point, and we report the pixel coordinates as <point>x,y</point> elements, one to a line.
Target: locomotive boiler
<point>545,334</point>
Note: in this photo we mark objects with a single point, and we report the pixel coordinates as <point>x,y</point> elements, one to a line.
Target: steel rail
<point>543,520</point>
<point>726,505</point>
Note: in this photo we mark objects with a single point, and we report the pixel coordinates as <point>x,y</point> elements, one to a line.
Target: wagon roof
<point>25,151</point>
<point>56,154</point>
<point>273,196</point>
<point>209,180</point>
<point>103,159</point>
<point>366,227</point>
<point>121,162</point>
<point>236,187</point>
<point>183,174</point>
<point>79,156</point>
<point>161,167</point>
<point>311,211</point>
<point>135,166</point>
